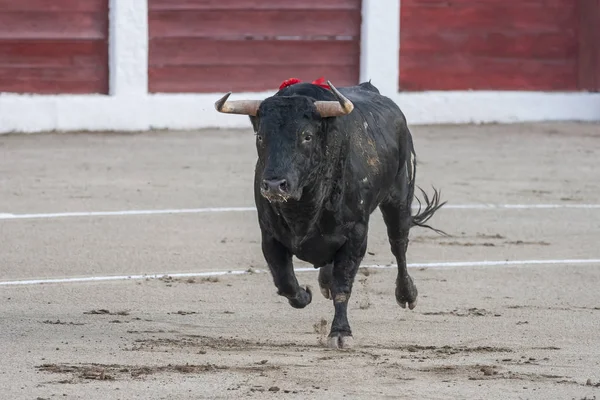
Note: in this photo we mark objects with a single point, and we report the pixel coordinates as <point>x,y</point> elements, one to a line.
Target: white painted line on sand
<point>208,210</point>
<point>518,206</point>
<point>243,272</point>
<point>126,213</point>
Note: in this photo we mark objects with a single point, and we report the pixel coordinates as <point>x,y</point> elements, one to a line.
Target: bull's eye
<point>259,138</point>
<point>307,138</point>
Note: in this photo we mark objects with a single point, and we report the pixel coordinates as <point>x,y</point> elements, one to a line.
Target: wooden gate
<point>500,45</point>
<point>251,45</point>
<point>54,46</point>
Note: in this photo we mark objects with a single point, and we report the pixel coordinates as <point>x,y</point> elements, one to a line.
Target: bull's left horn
<point>243,107</point>
<point>342,106</point>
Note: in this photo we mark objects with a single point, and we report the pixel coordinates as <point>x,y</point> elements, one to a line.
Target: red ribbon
<point>289,82</point>
<point>292,81</point>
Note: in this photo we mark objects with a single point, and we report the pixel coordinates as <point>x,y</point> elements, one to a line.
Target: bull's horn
<point>334,108</point>
<point>244,107</point>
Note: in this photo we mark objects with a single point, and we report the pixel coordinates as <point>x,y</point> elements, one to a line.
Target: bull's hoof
<point>337,341</point>
<point>406,293</point>
<point>326,292</point>
<point>411,306</point>
<point>302,299</point>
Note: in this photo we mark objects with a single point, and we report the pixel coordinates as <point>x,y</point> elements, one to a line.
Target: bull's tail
<point>431,206</point>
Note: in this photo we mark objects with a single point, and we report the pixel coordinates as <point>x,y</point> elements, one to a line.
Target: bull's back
<point>377,142</point>
<point>381,119</point>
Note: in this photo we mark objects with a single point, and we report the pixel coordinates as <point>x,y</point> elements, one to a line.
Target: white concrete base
<point>497,106</point>
<point>24,113</point>
<point>28,114</point>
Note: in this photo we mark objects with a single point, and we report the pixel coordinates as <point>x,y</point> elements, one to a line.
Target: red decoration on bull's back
<point>292,81</point>
<point>289,82</point>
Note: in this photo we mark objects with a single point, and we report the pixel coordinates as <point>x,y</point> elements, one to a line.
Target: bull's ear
<point>243,107</point>
<point>342,106</point>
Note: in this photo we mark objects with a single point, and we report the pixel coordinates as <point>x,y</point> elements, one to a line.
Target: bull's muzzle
<point>275,189</point>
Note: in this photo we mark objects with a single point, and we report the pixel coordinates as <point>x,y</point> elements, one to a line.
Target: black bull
<point>326,160</point>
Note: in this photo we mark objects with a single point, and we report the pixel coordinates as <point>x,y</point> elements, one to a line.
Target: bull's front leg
<point>279,259</point>
<point>345,266</point>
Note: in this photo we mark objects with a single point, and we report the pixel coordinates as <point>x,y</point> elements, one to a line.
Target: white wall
<point>129,107</point>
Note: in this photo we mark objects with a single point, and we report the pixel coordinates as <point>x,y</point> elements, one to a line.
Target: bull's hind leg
<point>396,210</point>
<point>397,217</point>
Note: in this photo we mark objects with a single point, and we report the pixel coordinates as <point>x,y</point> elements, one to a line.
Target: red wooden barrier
<point>490,44</point>
<point>57,46</point>
<point>589,45</point>
<point>251,45</point>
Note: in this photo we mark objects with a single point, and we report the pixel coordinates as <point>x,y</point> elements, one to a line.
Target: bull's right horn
<point>243,107</point>
<point>342,106</point>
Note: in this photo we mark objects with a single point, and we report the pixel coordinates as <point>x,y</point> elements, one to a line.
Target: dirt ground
<point>529,331</point>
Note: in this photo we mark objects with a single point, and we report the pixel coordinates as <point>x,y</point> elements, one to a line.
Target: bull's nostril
<point>275,185</point>
<point>283,186</point>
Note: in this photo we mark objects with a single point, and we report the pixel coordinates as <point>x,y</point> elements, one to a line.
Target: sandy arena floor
<point>482,330</point>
